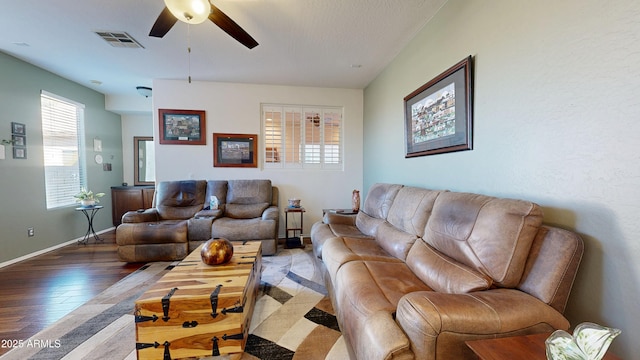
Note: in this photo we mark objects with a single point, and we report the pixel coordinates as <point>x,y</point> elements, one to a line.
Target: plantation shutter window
<point>312,136</point>
<point>272,136</point>
<point>332,137</point>
<point>302,137</point>
<point>292,138</point>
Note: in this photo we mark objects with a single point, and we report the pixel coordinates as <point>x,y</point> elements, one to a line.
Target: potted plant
<point>87,197</point>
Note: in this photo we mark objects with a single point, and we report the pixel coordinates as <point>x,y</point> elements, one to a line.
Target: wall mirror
<point>144,170</point>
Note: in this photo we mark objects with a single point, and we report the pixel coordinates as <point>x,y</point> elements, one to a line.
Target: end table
<point>294,241</point>
<point>340,211</point>
<point>89,212</point>
<point>516,347</point>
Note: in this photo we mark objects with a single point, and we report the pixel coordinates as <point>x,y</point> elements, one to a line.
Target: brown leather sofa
<point>181,219</point>
<point>418,272</point>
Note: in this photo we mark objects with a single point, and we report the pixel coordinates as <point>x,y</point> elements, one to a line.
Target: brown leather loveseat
<point>418,272</point>
<point>181,219</point>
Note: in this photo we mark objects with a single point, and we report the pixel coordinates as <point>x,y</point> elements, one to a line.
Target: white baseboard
<point>44,251</point>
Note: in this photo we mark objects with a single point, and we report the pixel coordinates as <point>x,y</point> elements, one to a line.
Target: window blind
<point>63,147</point>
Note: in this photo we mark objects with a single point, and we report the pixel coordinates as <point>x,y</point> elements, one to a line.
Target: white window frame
<point>276,148</point>
<point>64,156</point>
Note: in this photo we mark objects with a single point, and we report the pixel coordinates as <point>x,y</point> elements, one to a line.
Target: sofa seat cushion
<point>366,288</point>
<point>340,250</point>
<point>347,230</point>
<point>243,229</point>
<point>162,232</point>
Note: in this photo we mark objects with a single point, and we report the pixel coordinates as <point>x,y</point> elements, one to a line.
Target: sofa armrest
<point>337,218</point>
<point>270,213</point>
<point>382,338</point>
<point>438,323</point>
<point>148,215</point>
<point>213,214</point>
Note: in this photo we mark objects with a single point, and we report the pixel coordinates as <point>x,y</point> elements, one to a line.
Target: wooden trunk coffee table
<point>197,310</point>
<point>529,347</point>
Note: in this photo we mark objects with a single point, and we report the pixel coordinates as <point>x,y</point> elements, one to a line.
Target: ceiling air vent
<point>119,39</point>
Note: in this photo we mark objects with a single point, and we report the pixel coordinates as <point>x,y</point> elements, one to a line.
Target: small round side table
<point>89,212</point>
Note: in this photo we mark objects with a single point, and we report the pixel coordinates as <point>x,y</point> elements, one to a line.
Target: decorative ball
<point>216,251</point>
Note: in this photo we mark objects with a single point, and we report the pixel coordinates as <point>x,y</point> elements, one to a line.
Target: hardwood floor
<point>37,292</point>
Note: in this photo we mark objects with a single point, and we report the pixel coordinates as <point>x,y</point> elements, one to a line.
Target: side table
<point>530,347</point>
<point>293,241</point>
<point>339,211</point>
<point>89,212</point>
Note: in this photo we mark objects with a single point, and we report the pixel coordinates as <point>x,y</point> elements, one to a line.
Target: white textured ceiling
<point>324,43</point>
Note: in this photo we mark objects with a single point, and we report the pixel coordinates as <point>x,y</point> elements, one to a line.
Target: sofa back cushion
<point>245,211</point>
<point>406,220</point>
<point>217,188</point>
<point>394,241</point>
<point>552,266</point>
<point>249,191</point>
<point>376,207</point>
<point>443,274</point>
<point>487,234</point>
<point>180,200</point>
<point>411,209</point>
<point>366,224</point>
<point>379,200</point>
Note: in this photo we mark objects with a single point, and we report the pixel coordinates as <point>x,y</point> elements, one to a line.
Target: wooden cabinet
<point>127,198</point>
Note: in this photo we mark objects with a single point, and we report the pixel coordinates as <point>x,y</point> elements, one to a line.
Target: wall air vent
<point>119,39</point>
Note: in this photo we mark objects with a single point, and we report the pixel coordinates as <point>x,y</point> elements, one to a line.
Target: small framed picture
<point>19,152</point>
<point>19,140</point>
<point>18,128</point>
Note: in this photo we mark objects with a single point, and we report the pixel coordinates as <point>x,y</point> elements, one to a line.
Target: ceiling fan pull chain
<point>189,49</point>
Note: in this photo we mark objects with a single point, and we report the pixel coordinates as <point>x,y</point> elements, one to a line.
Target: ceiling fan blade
<point>163,24</point>
<point>231,27</point>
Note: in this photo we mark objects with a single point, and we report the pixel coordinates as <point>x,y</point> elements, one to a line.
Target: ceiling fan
<point>196,12</point>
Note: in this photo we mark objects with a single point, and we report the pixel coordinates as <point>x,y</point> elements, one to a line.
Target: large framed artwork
<point>438,115</point>
<point>183,127</point>
<point>235,150</point>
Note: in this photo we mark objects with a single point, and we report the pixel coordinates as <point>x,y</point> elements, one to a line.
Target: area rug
<point>293,318</point>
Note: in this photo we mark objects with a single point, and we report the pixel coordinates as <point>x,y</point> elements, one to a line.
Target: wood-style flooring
<point>37,292</point>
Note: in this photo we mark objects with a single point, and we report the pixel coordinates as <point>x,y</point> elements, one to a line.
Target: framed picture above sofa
<point>235,150</point>
<point>438,115</point>
<point>182,127</point>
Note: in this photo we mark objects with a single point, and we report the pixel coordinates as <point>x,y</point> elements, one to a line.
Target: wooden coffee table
<point>529,347</point>
<point>197,310</point>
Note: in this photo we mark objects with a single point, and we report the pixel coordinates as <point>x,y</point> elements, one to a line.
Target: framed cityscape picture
<point>235,150</point>
<point>438,115</point>
<point>182,127</point>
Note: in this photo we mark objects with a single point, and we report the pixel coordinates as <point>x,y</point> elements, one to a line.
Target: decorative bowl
<point>294,203</point>
<point>216,251</point>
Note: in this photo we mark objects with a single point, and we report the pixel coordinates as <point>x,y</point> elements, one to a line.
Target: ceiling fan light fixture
<point>189,11</point>
<point>144,91</point>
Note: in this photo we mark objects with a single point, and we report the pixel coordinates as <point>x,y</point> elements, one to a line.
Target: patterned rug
<point>293,318</point>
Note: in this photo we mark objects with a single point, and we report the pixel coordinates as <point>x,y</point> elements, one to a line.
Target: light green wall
<point>22,191</point>
<point>556,109</point>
